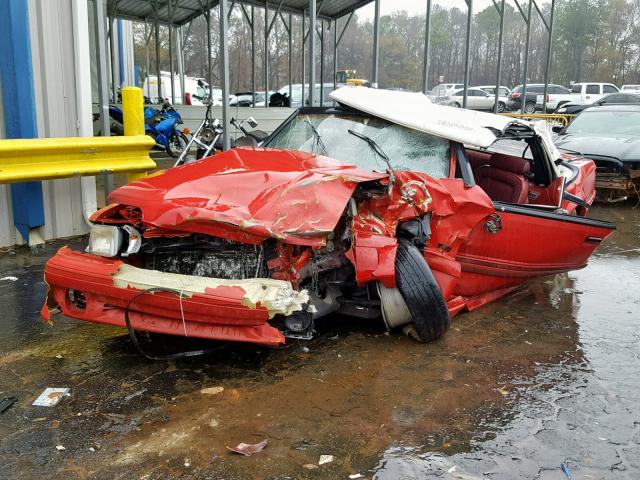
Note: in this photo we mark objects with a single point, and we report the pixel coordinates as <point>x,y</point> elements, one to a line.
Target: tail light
<point>187,98</point>
<point>515,95</point>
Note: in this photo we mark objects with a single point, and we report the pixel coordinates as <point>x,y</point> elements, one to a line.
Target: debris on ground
<point>326,459</point>
<point>212,390</point>
<point>9,279</point>
<point>356,475</point>
<point>134,394</point>
<point>566,470</point>
<point>305,350</point>
<point>50,397</point>
<point>60,448</point>
<point>248,449</point>
<point>310,466</point>
<point>6,402</point>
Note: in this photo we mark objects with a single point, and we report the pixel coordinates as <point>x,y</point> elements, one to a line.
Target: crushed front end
<point>242,264</point>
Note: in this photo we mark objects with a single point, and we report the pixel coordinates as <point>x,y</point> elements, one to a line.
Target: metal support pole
<point>526,59</point>
<point>499,60</point>
<point>103,79</point>
<point>289,32</point>
<point>302,39</point>
<point>207,18</point>
<point>112,60</point>
<point>147,39</point>
<point>171,75</point>
<point>157,33</point>
<point>312,51</point>
<point>321,62</point>
<point>427,49</point>
<point>467,52</point>
<point>253,54</point>
<point>376,46</point>
<point>266,54</point>
<point>547,67</point>
<point>180,49</point>
<point>224,71</point>
<point>335,53</point>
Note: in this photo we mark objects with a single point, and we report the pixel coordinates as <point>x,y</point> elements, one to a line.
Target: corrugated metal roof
<point>180,12</point>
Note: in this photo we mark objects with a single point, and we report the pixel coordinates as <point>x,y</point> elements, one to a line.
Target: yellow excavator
<point>350,77</point>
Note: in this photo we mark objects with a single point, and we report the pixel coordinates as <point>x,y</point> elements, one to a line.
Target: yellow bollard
<point>133,118</point>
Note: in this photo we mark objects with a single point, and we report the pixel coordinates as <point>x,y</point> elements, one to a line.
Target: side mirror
<point>252,122</point>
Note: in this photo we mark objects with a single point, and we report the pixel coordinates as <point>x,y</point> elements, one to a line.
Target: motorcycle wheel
<point>177,143</point>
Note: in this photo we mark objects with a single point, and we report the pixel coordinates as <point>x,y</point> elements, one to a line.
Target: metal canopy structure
<point>176,14</point>
<point>181,12</point>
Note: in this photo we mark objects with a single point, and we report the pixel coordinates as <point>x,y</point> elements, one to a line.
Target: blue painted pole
<point>19,107</point>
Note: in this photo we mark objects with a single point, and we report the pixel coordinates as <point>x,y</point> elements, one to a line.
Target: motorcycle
<point>208,137</point>
<point>159,125</point>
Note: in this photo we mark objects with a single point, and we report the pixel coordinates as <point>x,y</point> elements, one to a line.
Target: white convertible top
<point>415,111</point>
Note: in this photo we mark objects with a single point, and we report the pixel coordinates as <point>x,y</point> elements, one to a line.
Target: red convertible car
<point>384,207</point>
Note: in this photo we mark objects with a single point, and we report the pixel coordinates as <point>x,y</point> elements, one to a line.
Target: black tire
<point>501,107</point>
<point>421,292</point>
<point>177,143</point>
<point>457,105</point>
<point>529,107</point>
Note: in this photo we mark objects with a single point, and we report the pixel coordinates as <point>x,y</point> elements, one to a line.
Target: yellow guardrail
<point>24,160</point>
<point>563,119</point>
<point>50,158</point>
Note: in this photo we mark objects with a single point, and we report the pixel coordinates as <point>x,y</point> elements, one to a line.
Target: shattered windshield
<point>328,134</point>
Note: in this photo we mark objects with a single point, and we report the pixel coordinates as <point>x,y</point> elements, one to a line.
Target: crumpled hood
<point>622,147</point>
<point>248,195</point>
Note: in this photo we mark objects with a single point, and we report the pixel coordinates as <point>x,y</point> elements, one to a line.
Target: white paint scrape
<point>277,296</point>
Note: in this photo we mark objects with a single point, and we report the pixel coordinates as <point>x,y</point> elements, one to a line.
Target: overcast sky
<point>414,7</point>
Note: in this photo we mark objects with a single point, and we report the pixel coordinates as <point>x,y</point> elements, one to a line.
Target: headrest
<point>511,164</point>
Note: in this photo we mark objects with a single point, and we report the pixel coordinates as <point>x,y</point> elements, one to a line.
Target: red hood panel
<point>249,195</point>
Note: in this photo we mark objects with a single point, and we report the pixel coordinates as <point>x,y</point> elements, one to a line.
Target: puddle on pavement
<point>545,376</point>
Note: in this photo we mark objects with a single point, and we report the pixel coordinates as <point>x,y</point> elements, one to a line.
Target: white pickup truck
<point>581,93</point>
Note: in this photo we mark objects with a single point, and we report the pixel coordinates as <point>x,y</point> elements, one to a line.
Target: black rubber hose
<point>136,342</point>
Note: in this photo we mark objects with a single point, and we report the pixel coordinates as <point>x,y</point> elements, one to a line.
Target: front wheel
<point>530,107</point>
<point>421,293</point>
<point>177,143</point>
<point>501,107</point>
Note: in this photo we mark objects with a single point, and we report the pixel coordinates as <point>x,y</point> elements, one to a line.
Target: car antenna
<point>377,149</point>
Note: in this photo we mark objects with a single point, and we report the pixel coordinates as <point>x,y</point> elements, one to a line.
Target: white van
<point>196,92</point>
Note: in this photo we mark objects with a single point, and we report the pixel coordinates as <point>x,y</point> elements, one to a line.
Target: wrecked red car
<point>384,207</point>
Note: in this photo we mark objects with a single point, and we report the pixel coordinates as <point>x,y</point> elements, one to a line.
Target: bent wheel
<point>421,293</point>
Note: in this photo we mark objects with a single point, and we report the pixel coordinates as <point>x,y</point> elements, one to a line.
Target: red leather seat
<point>503,178</point>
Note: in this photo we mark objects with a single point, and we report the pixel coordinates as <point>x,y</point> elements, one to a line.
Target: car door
<point>521,241</point>
<point>592,92</point>
<point>485,101</point>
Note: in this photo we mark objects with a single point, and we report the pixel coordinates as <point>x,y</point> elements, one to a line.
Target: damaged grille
<point>228,260</point>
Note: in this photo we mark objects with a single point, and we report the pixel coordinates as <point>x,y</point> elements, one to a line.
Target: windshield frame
<point>337,110</point>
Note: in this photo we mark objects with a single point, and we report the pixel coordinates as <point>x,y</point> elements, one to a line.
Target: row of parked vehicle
<point>559,99</point>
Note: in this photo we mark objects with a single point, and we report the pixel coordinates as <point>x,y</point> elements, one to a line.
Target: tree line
<point>593,40</point>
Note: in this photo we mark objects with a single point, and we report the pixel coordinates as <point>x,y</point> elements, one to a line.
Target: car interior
<point>509,173</point>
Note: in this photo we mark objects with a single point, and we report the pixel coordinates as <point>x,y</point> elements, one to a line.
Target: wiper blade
<point>376,148</point>
<point>317,136</point>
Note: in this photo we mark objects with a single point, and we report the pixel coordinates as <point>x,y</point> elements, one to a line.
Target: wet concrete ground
<point>545,376</point>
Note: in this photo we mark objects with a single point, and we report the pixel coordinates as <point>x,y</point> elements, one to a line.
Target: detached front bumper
<point>97,289</point>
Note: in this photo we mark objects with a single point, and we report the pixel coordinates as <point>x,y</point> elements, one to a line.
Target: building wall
<point>52,47</point>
